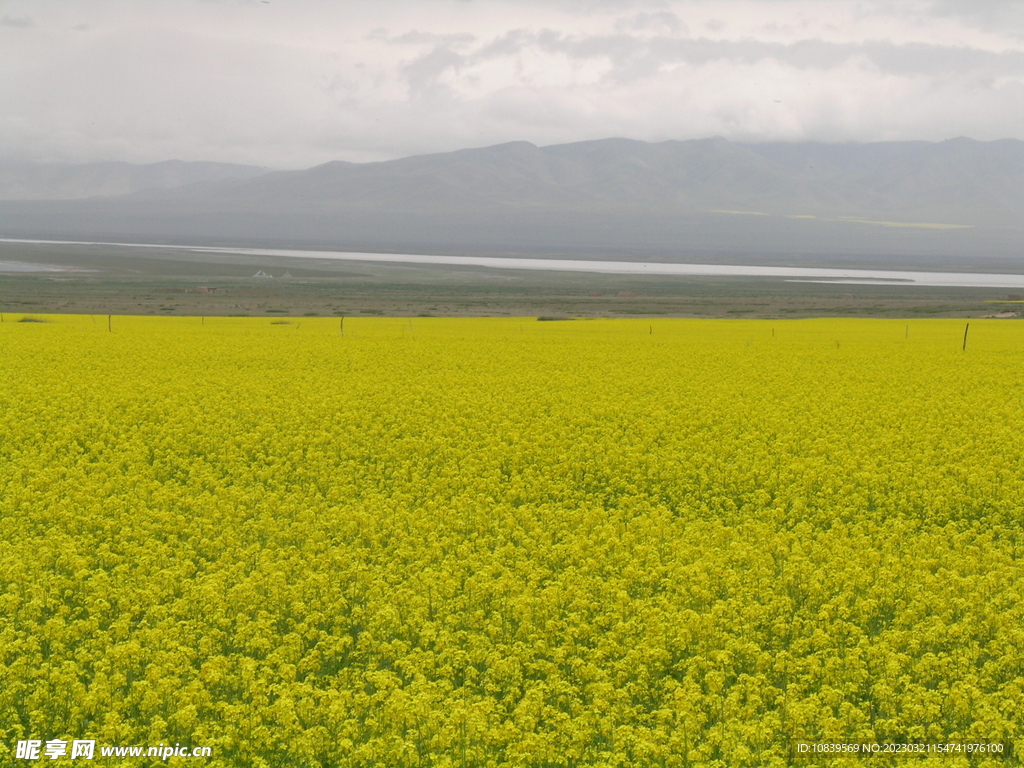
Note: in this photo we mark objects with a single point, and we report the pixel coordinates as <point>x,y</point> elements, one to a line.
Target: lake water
<point>789,274</point>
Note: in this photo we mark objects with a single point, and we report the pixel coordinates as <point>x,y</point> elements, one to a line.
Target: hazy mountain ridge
<point>958,181</point>
<point>607,196</point>
<point>63,181</point>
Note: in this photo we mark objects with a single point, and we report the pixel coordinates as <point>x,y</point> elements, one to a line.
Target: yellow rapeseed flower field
<point>452,542</point>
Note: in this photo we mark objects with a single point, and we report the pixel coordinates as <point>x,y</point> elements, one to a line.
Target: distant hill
<point>909,199</point>
<point>957,181</point>
<point>59,181</point>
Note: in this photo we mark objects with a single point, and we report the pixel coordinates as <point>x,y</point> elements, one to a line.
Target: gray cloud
<point>632,58</point>
<point>424,72</point>
<point>661,21</point>
<point>644,55</point>
<point>22,22</point>
<point>292,84</point>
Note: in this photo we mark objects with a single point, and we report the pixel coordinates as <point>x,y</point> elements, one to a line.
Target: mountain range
<point>63,181</point>
<point>953,198</point>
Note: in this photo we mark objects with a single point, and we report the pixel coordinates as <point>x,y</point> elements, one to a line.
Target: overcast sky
<point>292,83</point>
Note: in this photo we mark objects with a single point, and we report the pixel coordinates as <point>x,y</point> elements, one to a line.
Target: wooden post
<point>906,332</point>
<point>343,326</point>
<point>109,329</point>
<point>965,336</point>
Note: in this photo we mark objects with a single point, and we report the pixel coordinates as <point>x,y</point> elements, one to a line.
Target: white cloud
<point>296,82</point>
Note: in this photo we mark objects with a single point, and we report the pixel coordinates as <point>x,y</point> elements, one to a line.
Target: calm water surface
<point>790,274</point>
